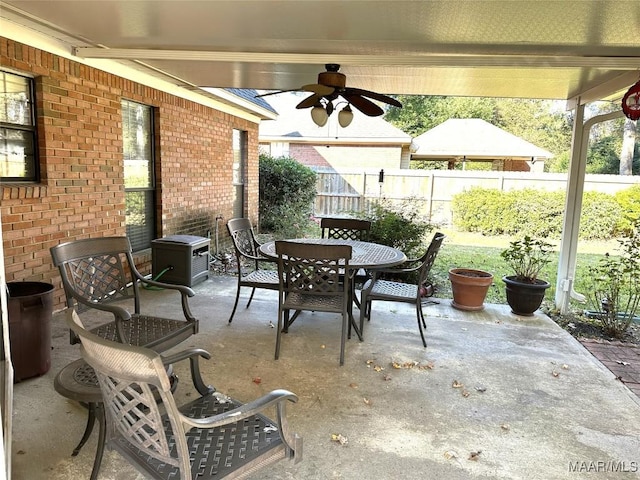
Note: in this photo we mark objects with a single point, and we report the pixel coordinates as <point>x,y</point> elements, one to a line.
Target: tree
<point>628,146</point>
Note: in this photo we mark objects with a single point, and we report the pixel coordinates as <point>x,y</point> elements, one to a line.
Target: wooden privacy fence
<point>342,191</point>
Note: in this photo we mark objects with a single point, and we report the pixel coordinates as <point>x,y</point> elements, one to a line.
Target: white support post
<point>573,207</point>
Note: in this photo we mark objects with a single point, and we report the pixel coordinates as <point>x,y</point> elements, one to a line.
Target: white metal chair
<point>211,437</point>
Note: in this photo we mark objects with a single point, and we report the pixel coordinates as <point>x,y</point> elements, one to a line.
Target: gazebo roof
<point>474,138</point>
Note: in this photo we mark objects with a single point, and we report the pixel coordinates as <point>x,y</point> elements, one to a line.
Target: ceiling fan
<point>332,84</point>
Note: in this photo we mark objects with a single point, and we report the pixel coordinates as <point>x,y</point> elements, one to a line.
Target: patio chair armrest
<point>277,398</point>
<point>193,354</point>
<point>246,410</point>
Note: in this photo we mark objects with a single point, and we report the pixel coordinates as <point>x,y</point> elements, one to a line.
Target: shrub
<point>629,202</point>
<point>614,290</point>
<point>532,212</point>
<point>399,226</point>
<point>600,216</point>
<point>287,193</point>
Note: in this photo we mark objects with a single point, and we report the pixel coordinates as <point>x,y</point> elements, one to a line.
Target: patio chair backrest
<point>345,228</point>
<point>97,270</point>
<point>136,391</point>
<point>311,269</point>
<point>244,240</point>
<point>429,258</point>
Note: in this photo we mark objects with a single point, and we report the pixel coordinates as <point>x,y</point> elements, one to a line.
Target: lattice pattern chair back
<point>128,378</point>
<point>345,228</point>
<point>427,260</point>
<point>211,437</point>
<point>312,278</point>
<point>244,240</point>
<point>96,271</point>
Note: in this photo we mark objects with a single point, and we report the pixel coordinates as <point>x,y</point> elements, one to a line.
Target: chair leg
<point>421,322</point>
<point>253,290</point>
<point>91,420</point>
<point>279,332</point>
<point>343,338</point>
<point>235,305</point>
<point>102,435</point>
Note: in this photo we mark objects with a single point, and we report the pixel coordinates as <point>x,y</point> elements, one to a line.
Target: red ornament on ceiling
<point>631,102</point>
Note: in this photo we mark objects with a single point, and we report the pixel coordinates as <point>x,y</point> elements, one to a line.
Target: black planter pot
<point>524,298</point>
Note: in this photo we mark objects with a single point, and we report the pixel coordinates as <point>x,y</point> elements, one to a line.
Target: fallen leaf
<point>339,438</point>
<point>505,426</point>
<point>565,366</point>
<point>481,388</point>
<point>366,401</point>
<point>449,454</point>
<point>378,368</point>
<point>353,385</point>
<point>369,362</point>
<point>257,380</point>
<point>323,346</point>
<point>474,455</point>
<point>465,393</point>
<point>555,373</point>
<point>457,384</point>
<point>387,377</point>
<point>428,365</point>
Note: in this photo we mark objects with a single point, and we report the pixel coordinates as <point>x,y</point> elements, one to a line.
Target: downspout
<point>573,207</point>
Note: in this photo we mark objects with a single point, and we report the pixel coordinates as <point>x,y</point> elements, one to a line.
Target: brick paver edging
<point>622,359</point>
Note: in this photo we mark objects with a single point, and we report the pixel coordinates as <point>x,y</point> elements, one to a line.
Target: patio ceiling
<point>530,49</point>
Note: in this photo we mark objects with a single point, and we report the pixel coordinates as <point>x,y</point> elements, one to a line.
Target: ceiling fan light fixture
<point>345,116</point>
<point>319,115</point>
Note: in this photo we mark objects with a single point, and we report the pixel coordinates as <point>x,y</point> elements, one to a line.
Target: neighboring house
<point>475,140</point>
<point>112,151</point>
<point>368,142</point>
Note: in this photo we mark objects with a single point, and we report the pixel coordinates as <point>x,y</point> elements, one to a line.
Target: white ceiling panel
<point>510,48</point>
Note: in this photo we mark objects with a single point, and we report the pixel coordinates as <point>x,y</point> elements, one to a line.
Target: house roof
<point>473,138</point>
<point>296,125</point>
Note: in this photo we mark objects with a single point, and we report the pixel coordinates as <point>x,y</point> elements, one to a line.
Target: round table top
<point>363,254</point>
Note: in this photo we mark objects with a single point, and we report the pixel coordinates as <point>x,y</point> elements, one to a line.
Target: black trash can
<point>30,312</point>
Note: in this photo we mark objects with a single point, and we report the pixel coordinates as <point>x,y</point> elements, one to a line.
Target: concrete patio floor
<point>494,396</point>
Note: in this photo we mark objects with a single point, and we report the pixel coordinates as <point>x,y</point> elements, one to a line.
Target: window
<point>18,146</point>
<point>139,181</point>
<point>239,166</point>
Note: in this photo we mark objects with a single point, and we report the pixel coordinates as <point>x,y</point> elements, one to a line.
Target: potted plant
<point>526,257</point>
<point>469,287</point>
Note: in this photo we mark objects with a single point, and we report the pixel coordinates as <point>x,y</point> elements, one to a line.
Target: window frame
<point>149,192</point>
<point>31,129</point>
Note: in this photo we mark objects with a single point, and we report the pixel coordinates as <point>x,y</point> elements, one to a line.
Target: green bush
<point>629,202</point>
<point>600,216</point>
<point>287,193</point>
<point>536,213</point>
<point>398,226</point>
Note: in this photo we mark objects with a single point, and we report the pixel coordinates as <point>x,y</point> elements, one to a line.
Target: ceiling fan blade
<point>316,88</point>
<point>364,105</point>
<point>310,101</point>
<point>274,93</point>
<point>376,96</point>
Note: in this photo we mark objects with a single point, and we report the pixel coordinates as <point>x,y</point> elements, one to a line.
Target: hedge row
<point>540,213</point>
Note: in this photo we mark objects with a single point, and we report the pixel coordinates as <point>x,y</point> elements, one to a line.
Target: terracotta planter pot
<point>524,298</point>
<point>469,287</point>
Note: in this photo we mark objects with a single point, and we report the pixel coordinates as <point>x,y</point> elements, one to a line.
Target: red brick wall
<point>81,193</point>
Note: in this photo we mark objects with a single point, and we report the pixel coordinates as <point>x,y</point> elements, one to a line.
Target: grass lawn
<point>472,250</point>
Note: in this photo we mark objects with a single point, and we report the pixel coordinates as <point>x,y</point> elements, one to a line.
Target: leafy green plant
<point>399,226</point>
<point>527,257</point>
<point>287,193</point>
<point>614,293</point>
<point>629,201</point>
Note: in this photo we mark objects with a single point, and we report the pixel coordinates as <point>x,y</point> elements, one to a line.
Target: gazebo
<point>475,140</point>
